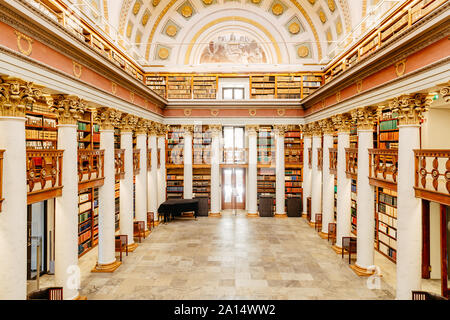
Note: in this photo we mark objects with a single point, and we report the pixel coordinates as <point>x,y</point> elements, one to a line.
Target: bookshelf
<point>87,220</point>
<point>40,129</point>
<point>293,159</point>
<point>201,170</point>
<point>289,87</point>
<point>266,146</point>
<point>157,84</point>
<point>266,183</point>
<point>205,87</point>
<point>310,83</point>
<point>266,163</point>
<point>335,145</point>
<point>179,87</point>
<point>262,87</point>
<point>174,163</point>
<point>354,215</point>
<point>88,132</point>
<point>117,205</point>
<point>174,183</point>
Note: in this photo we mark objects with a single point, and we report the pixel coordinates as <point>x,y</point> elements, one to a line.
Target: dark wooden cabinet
<point>308,208</point>
<point>265,206</point>
<point>203,206</point>
<point>294,206</point>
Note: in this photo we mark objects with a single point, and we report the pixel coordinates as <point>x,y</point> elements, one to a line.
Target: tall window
<point>233,93</point>
<point>233,144</point>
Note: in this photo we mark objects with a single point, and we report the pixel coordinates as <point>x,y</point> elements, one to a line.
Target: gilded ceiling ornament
<point>214,112</point>
<point>400,67</point>
<point>322,16</point>
<point>312,1</point>
<point>136,7</point>
<point>21,37</point>
<point>17,96</point>
<point>129,27</point>
<point>77,69</point>
<point>252,112</point>
<point>138,38</point>
<point>303,51</point>
<point>331,5</point>
<point>145,18</point>
<point>294,28</point>
<point>359,84</point>
<point>155,2</point>
<point>163,53</point>
<point>281,112</point>
<point>113,87</point>
<point>329,36</point>
<point>68,108</point>
<point>339,27</point>
<point>187,112</point>
<point>186,11</point>
<point>410,107</point>
<point>207,2</point>
<point>338,96</point>
<point>256,1</point>
<point>171,30</point>
<point>277,9</point>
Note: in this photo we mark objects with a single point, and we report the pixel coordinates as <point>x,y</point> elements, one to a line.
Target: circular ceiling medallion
<point>186,11</point>
<point>303,51</point>
<point>256,1</point>
<point>277,9</point>
<point>163,53</point>
<point>207,1</point>
<point>252,112</point>
<point>214,112</point>
<point>294,28</point>
<point>155,2</point>
<point>281,112</point>
<point>187,112</point>
<point>171,30</point>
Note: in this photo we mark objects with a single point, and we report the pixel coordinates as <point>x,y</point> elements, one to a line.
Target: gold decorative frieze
<point>277,9</point>
<point>281,112</point>
<point>331,5</point>
<point>68,108</point>
<point>21,39</point>
<point>128,122</point>
<point>252,112</point>
<point>338,96</point>
<point>145,17</point>
<point>342,122</point>
<point>108,118</point>
<point>187,112</point>
<point>365,117</point>
<point>17,96</point>
<point>77,69</point>
<point>132,96</point>
<point>410,107</point>
<point>400,67</point>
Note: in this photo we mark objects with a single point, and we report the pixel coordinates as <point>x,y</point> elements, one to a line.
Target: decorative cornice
<point>327,126</point>
<point>68,108</point>
<point>342,122</point>
<point>410,108</point>
<point>108,118</point>
<point>128,122</point>
<point>364,117</point>
<point>17,96</point>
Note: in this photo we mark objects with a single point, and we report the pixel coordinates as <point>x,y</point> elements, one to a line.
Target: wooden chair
<point>349,245</point>
<point>424,295</point>
<point>150,220</point>
<point>122,244</point>
<point>139,229</point>
<point>318,223</point>
<point>332,232</point>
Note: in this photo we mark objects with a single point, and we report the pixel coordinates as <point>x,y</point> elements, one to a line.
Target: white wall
<point>234,83</point>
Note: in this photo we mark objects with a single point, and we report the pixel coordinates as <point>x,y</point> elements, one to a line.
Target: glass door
<point>36,239</point>
<point>233,190</point>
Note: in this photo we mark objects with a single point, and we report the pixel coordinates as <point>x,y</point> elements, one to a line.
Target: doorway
<point>36,239</point>
<point>233,188</point>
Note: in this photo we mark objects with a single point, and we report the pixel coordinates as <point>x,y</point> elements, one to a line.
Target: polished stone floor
<point>232,257</point>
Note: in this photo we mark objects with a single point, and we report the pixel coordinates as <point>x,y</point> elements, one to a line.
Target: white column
<point>141,179</point>
<point>162,170</point>
<point>365,222</point>
<point>66,215</point>
<point>252,194</point>
<point>279,172</point>
<point>344,184</point>
<point>409,213</point>
<point>126,188</point>
<point>215,170</point>
<point>106,219</point>
<point>327,182</point>
<point>306,170</point>
<point>153,176</point>
<point>316,177</point>
<point>13,217</point>
<point>187,159</point>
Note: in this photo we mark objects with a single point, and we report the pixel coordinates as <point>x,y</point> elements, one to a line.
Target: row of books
<point>390,252</point>
<point>40,121</point>
<point>293,172</point>
<point>387,198</point>
<point>296,190</point>
<point>389,136</point>
<point>388,125</point>
<point>41,145</point>
<point>293,178</point>
<point>84,226</point>
<point>39,134</point>
<point>171,188</point>
<point>82,217</point>
<point>387,229</point>
<point>389,220</point>
<point>293,184</point>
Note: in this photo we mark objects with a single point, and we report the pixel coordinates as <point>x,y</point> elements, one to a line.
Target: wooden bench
<point>349,246</point>
<point>121,242</point>
<point>139,230</point>
<point>318,222</point>
<point>150,220</point>
<point>332,232</point>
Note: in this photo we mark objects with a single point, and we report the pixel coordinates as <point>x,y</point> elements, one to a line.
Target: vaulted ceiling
<point>180,33</point>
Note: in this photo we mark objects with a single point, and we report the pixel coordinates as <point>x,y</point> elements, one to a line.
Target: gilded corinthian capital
<point>17,96</point>
<point>410,108</point>
<point>108,118</point>
<point>327,126</point>
<point>342,122</point>
<point>364,117</point>
<point>68,108</point>
<point>128,123</point>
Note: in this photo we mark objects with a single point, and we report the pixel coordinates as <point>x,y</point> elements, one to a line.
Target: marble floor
<point>232,257</point>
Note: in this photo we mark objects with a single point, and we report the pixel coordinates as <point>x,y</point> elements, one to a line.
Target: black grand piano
<point>175,207</point>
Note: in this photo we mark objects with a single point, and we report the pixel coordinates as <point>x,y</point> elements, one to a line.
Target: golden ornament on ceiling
<point>277,9</point>
<point>331,5</point>
<point>136,7</point>
<point>329,37</point>
<point>186,11</point>
<point>171,30</point>
<point>312,1</point>
<point>145,18</point>
<point>303,51</point>
<point>256,1</point>
<point>294,28</point>
<point>155,2</point>
<point>129,30</point>
<point>322,17</point>
<point>338,27</point>
<point>207,1</point>
<point>163,53</point>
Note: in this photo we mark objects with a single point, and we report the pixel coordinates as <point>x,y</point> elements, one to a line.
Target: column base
<point>311,224</point>
<point>80,298</point>
<point>280,215</point>
<point>147,233</point>
<point>132,247</point>
<point>106,268</point>
<point>156,223</point>
<point>323,235</point>
<point>304,215</point>
<point>360,271</point>
<point>215,214</point>
<point>253,215</point>
<point>337,249</point>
